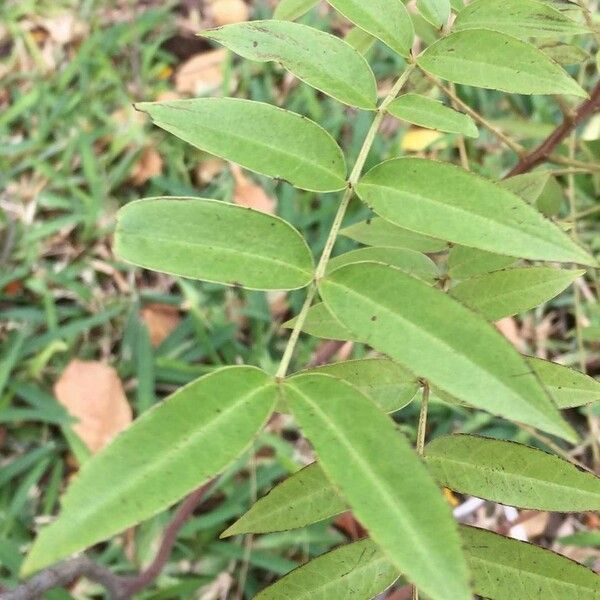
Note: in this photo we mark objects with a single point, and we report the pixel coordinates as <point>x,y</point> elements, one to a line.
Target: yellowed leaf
<point>224,12</point>
<point>161,320</point>
<point>417,139</point>
<point>201,74</point>
<point>247,193</point>
<point>149,165</point>
<point>93,394</point>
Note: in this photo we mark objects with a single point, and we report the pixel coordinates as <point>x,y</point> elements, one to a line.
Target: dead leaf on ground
<point>249,194</point>
<point>93,394</point>
<point>149,165</point>
<point>225,12</point>
<point>208,169</point>
<point>510,330</point>
<point>161,320</point>
<point>201,74</point>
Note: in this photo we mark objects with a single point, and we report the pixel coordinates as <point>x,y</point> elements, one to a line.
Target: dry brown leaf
<point>510,330</point>
<point>201,74</point>
<point>149,165</point>
<point>208,169</point>
<point>161,320</point>
<point>93,394</point>
<point>225,12</point>
<point>247,193</point>
<point>278,304</point>
<point>65,28</point>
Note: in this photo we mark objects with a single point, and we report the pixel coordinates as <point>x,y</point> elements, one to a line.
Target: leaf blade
<point>429,198</point>
<point>261,137</point>
<point>357,571</point>
<point>493,60</point>
<point>441,340</point>
<point>387,20</point>
<point>412,524</point>
<point>511,291</point>
<point>213,241</point>
<point>167,452</point>
<point>512,474</point>
<point>320,59</point>
<point>432,114</point>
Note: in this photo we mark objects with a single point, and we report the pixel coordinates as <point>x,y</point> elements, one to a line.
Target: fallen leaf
<point>249,194</point>
<point>65,28</point>
<point>149,165</point>
<point>510,330</point>
<point>225,12</point>
<point>417,139</point>
<point>161,320</point>
<point>93,394</point>
<point>208,169</point>
<point>201,74</point>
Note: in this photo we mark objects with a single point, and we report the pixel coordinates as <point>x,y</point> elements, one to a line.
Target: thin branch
<point>544,151</point>
<point>119,587</point>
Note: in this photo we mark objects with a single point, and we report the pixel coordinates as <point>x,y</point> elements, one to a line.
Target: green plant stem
<point>422,428</point>
<point>339,217</point>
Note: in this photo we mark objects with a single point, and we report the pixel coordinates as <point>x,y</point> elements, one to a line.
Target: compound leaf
<point>512,474</point>
<point>167,452</point>
<point>438,338</point>
<point>213,241</point>
<point>387,20</point>
<point>320,323</point>
<point>494,60</point>
<point>258,136</point>
<point>447,202</point>
<point>370,462</point>
<point>320,59</point>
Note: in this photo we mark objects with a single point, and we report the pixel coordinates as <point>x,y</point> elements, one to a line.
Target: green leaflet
<point>437,338</point>
<point>360,40</point>
<point>320,59</point>
<point>528,186</point>
<point>322,324</point>
<point>409,261</point>
<point>506,569</point>
<point>355,443</point>
<point>511,474</point>
<point>512,291</point>
<point>466,262</point>
<point>445,201</point>
<point>520,18</point>
<point>302,499</point>
<point>213,241</point>
<point>385,382</point>
<point>290,10</point>
<point>358,571</point>
<point>378,232</point>
<point>258,136</point>
<point>564,54</point>
<point>387,20</point>
<point>489,59</point>
<point>437,12</point>
<point>432,114</point>
<point>568,388</point>
<point>167,452</point>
